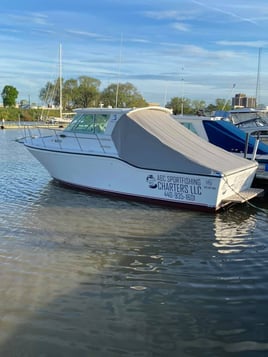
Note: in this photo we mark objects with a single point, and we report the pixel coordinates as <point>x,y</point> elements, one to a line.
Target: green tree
<point>87,93</point>
<point>47,93</point>
<point>69,93</point>
<point>9,96</point>
<point>211,108</point>
<point>227,105</point>
<point>180,105</point>
<point>220,104</point>
<point>198,106</point>
<point>82,92</point>
<point>122,95</point>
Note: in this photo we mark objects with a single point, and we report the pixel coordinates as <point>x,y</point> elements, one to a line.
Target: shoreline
<point>48,126</point>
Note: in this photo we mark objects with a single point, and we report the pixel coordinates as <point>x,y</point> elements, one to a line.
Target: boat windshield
<point>252,122</point>
<point>247,117</point>
<point>88,123</point>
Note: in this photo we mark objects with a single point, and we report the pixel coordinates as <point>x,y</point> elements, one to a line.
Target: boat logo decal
<point>151,181</point>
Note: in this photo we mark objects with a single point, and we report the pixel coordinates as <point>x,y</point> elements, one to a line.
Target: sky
<point>197,49</point>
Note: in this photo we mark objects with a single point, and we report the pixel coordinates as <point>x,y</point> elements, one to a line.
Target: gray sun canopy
<point>151,138</point>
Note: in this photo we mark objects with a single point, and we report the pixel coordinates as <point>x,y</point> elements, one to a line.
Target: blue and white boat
<point>250,120</point>
<point>228,136</point>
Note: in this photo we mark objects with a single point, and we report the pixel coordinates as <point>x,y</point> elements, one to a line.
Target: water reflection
<point>233,234</point>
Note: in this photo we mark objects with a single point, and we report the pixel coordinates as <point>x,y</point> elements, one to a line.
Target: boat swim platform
<point>244,196</point>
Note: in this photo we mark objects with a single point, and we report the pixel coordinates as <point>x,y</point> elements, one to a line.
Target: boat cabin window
<point>101,121</point>
<point>189,126</point>
<point>88,123</point>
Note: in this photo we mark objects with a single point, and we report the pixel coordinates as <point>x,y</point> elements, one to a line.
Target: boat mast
<point>258,79</point>
<point>60,78</point>
<point>119,72</point>
<point>182,88</point>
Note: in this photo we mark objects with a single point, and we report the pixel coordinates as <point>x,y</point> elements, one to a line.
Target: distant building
<point>240,100</point>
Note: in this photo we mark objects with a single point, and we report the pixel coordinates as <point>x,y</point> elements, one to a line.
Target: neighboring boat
<point>250,120</point>
<point>143,154</point>
<point>227,136</point>
<point>64,118</point>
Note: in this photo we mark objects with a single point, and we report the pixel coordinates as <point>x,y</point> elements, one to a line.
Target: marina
<point>88,275</point>
<point>122,232</point>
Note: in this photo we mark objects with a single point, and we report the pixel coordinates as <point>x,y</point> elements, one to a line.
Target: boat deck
<point>244,196</point>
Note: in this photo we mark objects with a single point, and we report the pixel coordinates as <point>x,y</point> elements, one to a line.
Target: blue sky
<point>166,48</point>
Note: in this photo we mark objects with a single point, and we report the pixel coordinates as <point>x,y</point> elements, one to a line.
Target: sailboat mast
<point>182,89</point>
<point>258,79</point>
<point>119,69</point>
<point>60,78</point>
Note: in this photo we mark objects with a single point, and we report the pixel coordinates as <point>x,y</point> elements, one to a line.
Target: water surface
<point>86,275</point>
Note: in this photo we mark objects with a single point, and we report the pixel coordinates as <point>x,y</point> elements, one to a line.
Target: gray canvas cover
<point>151,138</point>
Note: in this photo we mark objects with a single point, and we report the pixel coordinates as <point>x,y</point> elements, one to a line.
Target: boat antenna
<point>226,101</point>
<point>165,95</point>
<point>258,79</point>
<point>182,90</point>
<point>119,72</point>
<point>60,79</point>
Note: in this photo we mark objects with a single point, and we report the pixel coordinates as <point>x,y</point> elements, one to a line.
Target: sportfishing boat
<point>143,154</point>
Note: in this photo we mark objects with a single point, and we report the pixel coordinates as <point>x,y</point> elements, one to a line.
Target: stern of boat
<point>237,187</point>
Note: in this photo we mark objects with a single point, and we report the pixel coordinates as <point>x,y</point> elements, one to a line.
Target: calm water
<point>83,275</point>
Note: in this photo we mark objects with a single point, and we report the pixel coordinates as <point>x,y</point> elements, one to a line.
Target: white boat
<point>143,154</point>
<point>65,118</point>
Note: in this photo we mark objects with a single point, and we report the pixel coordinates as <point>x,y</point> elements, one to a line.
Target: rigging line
<point>264,210</point>
<point>226,101</point>
<point>60,77</point>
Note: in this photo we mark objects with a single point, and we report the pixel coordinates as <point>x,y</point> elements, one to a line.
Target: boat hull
<point>110,175</point>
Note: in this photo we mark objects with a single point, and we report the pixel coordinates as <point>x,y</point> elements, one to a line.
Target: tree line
<point>85,92</point>
<point>180,105</point>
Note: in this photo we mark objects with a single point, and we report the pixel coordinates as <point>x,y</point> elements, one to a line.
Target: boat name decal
<point>178,187</point>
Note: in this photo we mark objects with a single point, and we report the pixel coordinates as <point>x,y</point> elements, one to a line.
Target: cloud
<point>178,15</point>
<point>139,40</point>
<point>180,26</point>
<point>86,34</point>
<point>162,15</point>
<point>29,18</point>
<point>254,44</point>
<point>225,12</point>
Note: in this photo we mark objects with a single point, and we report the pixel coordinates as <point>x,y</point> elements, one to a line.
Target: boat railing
<point>32,132</point>
<point>60,137</point>
<point>255,148</point>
